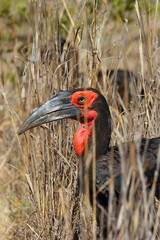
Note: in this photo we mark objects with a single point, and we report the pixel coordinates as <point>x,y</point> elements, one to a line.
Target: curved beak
<point>58,107</point>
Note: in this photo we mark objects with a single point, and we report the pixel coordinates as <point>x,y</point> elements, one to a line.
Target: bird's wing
<point>108,167</point>
<point>149,155</point>
<point>108,170</point>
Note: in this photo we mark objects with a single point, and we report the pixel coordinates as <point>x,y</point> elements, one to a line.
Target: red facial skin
<point>87,118</point>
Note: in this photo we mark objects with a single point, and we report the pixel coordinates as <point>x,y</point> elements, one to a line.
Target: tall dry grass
<point>39,197</point>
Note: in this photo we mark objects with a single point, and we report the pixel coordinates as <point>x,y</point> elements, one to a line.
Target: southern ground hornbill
<point>90,108</point>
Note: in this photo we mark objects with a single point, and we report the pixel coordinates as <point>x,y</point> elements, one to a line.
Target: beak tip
<point>20,131</point>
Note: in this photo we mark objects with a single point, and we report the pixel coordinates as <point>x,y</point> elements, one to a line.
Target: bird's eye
<point>81,100</point>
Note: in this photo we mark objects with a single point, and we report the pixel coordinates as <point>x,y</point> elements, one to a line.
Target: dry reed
<point>39,169</point>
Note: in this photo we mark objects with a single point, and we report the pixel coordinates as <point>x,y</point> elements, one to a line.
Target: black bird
<point>90,108</point>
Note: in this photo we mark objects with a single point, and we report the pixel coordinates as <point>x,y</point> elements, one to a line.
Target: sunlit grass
<point>38,180</point>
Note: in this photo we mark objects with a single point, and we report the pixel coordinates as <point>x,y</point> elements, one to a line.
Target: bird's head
<point>88,106</point>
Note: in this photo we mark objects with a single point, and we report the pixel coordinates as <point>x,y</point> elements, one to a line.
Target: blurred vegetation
<point>20,21</point>
<point>16,20</point>
<point>16,8</point>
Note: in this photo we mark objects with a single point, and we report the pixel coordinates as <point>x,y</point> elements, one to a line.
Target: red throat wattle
<point>82,135</point>
<point>87,119</point>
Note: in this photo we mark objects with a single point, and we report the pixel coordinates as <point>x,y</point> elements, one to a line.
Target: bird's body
<point>148,152</point>
<point>90,108</point>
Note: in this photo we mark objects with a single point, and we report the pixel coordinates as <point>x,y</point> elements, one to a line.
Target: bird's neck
<point>83,137</point>
<point>103,133</point>
<point>102,127</point>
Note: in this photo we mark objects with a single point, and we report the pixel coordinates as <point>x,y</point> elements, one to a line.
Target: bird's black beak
<point>58,107</point>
